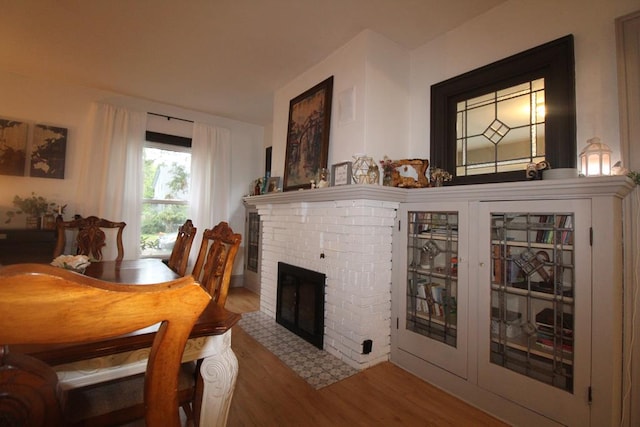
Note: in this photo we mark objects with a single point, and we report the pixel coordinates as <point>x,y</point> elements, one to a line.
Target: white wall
<point>518,25</point>
<point>41,101</point>
<point>376,71</point>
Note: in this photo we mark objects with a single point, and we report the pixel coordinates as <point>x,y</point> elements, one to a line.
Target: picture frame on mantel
<point>307,148</point>
<point>341,174</point>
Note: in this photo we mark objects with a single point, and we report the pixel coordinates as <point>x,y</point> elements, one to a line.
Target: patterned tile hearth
<point>316,366</point>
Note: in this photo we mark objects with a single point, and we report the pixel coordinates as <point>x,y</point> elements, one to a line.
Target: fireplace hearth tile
<point>316,366</point>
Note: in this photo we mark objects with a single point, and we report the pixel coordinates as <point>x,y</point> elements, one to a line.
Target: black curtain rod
<point>170,117</point>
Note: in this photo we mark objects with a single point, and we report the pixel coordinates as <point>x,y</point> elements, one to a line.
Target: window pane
<point>160,223</point>
<point>166,174</point>
<point>165,198</point>
<point>502,130</point>
<point>515,145</point>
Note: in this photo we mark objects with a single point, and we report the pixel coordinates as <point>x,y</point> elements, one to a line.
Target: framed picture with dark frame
<point>308,136</point>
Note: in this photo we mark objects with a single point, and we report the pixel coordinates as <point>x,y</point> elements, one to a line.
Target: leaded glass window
<point>501,131</point>
<point>489,123</point>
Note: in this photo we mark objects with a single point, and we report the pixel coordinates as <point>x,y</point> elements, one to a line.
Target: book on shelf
<point>545,331</point>
<point>550,344</point>
<point>433,299</point>
<point>562,324</point>
<point>555,229</point>
<point>497,264</point>
<point>554,330</point>
<point>542,229</point>
<point>422,302</point>
<point>436,295</point>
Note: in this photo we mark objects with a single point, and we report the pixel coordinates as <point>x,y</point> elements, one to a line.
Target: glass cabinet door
<point>532,290</point>
<point>537,336</point>
<point>432,275</point>
<point>434,302</point>
<point>253,241</point>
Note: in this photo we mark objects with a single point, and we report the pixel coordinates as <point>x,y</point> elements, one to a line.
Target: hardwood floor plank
<point>268,393</point>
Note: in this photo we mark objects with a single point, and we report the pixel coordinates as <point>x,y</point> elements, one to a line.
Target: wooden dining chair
<point>90,237</point>
<point>180,254</point>
<point>214,264</point>
<point>41,304</point>
<point>212,270</point>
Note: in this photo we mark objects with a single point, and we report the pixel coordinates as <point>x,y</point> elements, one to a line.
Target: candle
<point>59,210</point>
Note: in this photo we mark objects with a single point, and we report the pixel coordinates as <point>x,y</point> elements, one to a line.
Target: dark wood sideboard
<point>21,245</point>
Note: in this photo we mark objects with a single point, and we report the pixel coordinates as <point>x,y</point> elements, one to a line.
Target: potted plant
<point>34,207</point>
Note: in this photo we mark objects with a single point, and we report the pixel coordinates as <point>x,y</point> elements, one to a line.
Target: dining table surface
<point>214,320</point>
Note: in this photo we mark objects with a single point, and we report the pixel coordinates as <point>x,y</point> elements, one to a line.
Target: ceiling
<point>221,57</point>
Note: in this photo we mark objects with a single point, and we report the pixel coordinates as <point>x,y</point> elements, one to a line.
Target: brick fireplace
<point>346,234</point>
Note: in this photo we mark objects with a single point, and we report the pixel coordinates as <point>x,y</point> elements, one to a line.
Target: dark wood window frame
<point>553,61</point>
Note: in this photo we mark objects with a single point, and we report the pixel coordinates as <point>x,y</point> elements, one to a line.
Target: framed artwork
<point>40,153</point>
<point>13,147</point>
<point>308,136</point>
<point>341,174</point>
<point>48,152</point>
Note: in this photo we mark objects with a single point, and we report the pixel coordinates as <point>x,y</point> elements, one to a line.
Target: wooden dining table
<point>84,364</point>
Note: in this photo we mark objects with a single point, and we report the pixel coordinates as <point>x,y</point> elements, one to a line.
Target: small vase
<point>387,180</point>
<point>48,222</point>
<point>33,223</point>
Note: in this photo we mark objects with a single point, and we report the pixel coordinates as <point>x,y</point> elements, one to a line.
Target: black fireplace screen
<point>300,302</point>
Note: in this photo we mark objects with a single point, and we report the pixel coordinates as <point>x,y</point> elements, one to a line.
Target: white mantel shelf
<point>574,188</point>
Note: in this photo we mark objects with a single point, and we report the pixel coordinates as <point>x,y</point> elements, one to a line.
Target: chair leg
<point>186,408</point>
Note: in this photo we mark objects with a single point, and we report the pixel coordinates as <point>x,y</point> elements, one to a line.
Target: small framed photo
<point>274,185</point>
<point>341,174</point>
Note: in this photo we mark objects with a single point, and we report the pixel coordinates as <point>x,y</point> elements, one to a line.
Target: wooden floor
<point>268,393</point>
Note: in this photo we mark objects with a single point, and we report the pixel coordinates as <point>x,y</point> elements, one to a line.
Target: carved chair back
<point>90,239</point>
<point>180,254</point>
<point>214,264</point>
<point>61,306</point>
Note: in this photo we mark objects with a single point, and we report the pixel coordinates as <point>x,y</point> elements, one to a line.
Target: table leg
<point>219,370</point>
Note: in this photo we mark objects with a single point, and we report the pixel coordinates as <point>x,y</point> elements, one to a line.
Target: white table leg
<point>219,371</point>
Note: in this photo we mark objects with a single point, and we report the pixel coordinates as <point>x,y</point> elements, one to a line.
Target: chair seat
<point>120,401</point>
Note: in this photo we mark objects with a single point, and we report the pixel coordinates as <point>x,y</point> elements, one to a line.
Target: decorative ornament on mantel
<point>365,170</point>
<point>595,158</point>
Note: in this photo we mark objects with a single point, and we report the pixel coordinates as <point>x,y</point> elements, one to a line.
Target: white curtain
<point>210,179</point>
<point>111,184</point>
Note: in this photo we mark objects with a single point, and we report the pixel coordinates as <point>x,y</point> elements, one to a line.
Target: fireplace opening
<point>300,302</point>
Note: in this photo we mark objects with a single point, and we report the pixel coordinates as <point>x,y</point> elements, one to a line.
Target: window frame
<point>554,61</point>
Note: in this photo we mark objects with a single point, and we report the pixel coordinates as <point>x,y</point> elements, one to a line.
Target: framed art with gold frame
<point>308,136</point>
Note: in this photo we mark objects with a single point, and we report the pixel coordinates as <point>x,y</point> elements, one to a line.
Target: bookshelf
<point>538,330</point>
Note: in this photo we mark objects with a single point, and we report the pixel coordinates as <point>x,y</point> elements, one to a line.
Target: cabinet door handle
<point>481,264</point>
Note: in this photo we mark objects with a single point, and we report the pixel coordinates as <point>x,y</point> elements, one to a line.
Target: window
<point>167,169</point>
<point>501,131</point>
<point>489,123</point>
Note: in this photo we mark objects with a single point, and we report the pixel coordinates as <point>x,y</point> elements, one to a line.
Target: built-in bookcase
<point>510,296</point>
